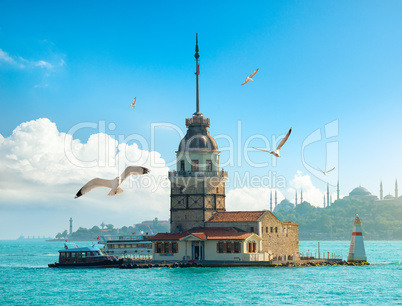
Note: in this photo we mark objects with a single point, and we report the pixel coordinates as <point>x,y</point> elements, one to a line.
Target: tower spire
<point>381,192</point>
<point>270,201</point>
<point>197,56</point>
<point>337,191</point>
<point>276,199</point>
<point>296,198</point>
<point>396,188</point>
<point>301,196</point>
<point>327,194</point>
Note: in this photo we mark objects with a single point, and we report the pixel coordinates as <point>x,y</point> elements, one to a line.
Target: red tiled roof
<point>230,216</point>
<point>206,234</point>
<point>290,223</point>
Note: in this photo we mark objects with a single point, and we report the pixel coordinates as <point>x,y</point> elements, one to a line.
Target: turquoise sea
<point>25,279</point>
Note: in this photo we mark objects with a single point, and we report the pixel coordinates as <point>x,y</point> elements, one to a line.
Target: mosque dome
<point>360,191</point>
<point>197,137</point>
<point>284,205</point>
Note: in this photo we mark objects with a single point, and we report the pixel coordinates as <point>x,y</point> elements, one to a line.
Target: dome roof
<point>198,137</point>
<point>284,205</point>
<point>360,191</point>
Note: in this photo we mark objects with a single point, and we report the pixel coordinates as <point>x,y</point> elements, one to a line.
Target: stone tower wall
<point>190,207</point>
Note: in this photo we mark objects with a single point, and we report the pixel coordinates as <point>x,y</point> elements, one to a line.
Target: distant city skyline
<point>330,71</point>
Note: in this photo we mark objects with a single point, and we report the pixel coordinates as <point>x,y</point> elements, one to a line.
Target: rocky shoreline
<point>127,264</point>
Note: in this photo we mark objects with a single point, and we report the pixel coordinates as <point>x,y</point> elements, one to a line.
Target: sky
<point>69,71</point>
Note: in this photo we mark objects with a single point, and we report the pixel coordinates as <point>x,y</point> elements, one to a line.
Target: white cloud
<point>251,199</point>
<point>37,172</point>
<point>22,63</point>
<point>5,57</point>
<point>311,193</point>
<point>43,64</point>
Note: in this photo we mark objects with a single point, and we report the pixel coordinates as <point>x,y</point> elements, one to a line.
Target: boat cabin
<point>82,255</point>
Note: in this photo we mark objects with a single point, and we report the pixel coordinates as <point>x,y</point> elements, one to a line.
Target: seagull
<point>276,152</point>
<point>325,172</point>
<point>249,78</point>
<point>112,184</point>
<point>133,104</point>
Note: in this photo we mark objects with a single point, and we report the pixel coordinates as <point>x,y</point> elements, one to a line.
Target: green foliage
<point>379,221</point>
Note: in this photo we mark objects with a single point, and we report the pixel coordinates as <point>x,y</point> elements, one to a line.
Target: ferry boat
<point>85,257</point>
<point>137,246</point>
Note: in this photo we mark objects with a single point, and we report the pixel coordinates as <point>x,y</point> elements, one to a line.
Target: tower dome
<point>197,137</point>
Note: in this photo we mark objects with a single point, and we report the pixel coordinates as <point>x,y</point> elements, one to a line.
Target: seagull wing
<point>253,74</point>
<point>284,140</point>
<point>133,170</point>
<point>321,170</point>
<point>247,79</point>
<point>331,169</point>
<point>95,183</point>
<point>261,150</point>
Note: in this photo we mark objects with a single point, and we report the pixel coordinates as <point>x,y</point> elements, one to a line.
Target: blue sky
<point>319,62</point>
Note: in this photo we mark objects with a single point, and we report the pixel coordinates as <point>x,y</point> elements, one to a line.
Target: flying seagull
<point>325,172</point>
<point>133,104</point>
<point>249,78</point>
<point>276,152</point>
<point>112,184</point>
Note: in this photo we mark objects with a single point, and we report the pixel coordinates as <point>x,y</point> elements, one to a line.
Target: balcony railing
<point>173,174</point>
<point>197,120</point>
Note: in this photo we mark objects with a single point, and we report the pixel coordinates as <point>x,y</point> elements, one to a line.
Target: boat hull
<point>96,264</point>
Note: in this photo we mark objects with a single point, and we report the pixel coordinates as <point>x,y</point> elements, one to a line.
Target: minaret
<point>324,200</point>
<point>337,191</point>
<point>381,192</point>
<point>396,188</point>
<point>328,194</point>
<point>276,199</point>
<point>356,250</point>
<point>330,199</point>
<point>198,186</point>
<point>296,199</point>
<point>71,225</point>
<point>270,202</point>
<point>301,196</point>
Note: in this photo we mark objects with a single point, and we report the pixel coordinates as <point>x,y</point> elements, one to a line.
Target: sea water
<point>26,279</point>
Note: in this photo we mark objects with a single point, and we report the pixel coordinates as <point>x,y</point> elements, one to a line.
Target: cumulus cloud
<point>258,198</point>
<point>311,193</point>
<point>251,199</point>
<point>45,167</point>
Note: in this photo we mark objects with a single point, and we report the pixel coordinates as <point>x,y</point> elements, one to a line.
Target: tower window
<point>194,165</point>
<point>182,165</point>
<point>209,165</point>
<point>252,229</point>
